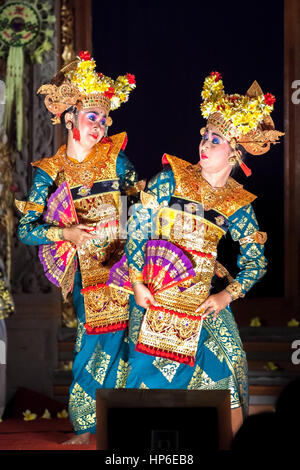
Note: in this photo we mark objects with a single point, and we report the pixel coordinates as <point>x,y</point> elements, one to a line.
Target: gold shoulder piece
<point>149,201</point>
<point>25,206</point>
<point>51,165</point>
<point>255,237</point>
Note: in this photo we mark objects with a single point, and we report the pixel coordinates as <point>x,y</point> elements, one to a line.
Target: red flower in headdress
<point>269,99</point>
<point>217,75</point>
<point>110,92</point>
<point>84,55</point>
<point>130,78</point>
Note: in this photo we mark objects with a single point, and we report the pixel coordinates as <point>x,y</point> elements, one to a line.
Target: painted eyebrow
<point>214,133</point>
<point>93,112</point>
<point>217,135</point>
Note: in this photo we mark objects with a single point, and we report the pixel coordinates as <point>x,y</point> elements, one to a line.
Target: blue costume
<point>167,346</point>
<point>99,358</point>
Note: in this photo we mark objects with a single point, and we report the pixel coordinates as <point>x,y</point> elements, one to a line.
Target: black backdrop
<point>171,47</point>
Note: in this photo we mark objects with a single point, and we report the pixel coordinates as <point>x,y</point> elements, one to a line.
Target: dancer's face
<point>91,124</point>
<point>214,150</point>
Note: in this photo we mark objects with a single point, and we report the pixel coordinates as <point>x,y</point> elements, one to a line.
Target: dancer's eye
<point>92,117</point>
<point>216,140</point>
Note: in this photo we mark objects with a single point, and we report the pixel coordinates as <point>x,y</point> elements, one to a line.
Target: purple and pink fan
<point>166,265</point>
<point>57,257</point>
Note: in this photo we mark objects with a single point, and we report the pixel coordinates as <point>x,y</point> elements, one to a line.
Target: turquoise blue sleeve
<point>31,229</point>
<point>251,260</point>
<point>125,171</point>
<point>142,223</point>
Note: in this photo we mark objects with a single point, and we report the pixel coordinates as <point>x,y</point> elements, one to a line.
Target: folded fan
<point>58,257</point>
<point>166,265</point>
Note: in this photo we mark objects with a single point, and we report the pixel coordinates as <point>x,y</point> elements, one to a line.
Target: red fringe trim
<point>195,252</point>
<point>105,329</point>
<point>174,312</point>
<point>151,351</point>
<point>89,288</point>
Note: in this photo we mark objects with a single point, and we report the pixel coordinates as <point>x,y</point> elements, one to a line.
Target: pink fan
<point>166,265</point>
<point>57,257</point>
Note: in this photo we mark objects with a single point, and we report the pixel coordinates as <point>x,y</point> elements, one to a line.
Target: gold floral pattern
<point>213,346</point>
<point>167,367</point>
<point>122,374</point>
<point>98,364</point>
<point>82,409</point>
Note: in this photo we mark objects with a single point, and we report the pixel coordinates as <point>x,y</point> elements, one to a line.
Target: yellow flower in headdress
<point>244,112</point>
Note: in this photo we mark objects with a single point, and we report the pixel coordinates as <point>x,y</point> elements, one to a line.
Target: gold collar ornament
<point>242,119</point>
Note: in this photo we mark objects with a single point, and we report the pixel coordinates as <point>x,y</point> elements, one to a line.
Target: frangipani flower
<point>46,414</point>
<point>28,416</point>
<point>62,414</point>
<point>293,322</point>
<point>255,321</point>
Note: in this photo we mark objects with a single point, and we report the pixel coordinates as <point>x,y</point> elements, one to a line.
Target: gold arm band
<point>222,272</point>
<point>255,237</point>
<point>25,206</point>
<point>135,276</point>
<point>235,290</point>
<point>55,234</point>
<point>135,283</point>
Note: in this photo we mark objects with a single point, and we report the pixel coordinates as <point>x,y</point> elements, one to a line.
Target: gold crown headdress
<point>242,119</point>
<point>78,84</point>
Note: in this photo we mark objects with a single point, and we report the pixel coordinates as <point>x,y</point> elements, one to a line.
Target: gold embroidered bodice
<point>196,219</point>
<point>95,191</point>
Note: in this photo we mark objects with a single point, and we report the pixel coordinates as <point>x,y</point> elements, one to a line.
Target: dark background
<point>171,48</point>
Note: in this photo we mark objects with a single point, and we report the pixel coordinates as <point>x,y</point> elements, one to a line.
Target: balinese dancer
<point>188,338</point>
<point>77,227</point>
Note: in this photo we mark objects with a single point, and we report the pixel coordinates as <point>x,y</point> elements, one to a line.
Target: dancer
<point>90,172</point>
<point>187,338</point>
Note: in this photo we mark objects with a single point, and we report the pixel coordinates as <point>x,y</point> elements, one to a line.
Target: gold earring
<point>202,130</point>
<point>109,121</point>
<point>232,161</point>
<point>69,125</point>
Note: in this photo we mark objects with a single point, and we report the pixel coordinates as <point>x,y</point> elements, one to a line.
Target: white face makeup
<point>214,151</point>
<point>91,124</point>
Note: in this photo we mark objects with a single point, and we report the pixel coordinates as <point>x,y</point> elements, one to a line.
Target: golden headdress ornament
<point>242,119</point>
<point>78,84</point>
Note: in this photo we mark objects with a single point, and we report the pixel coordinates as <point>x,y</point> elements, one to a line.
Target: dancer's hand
<point>77,234</point>
<point>143,296</point>
<point>215,303</point>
